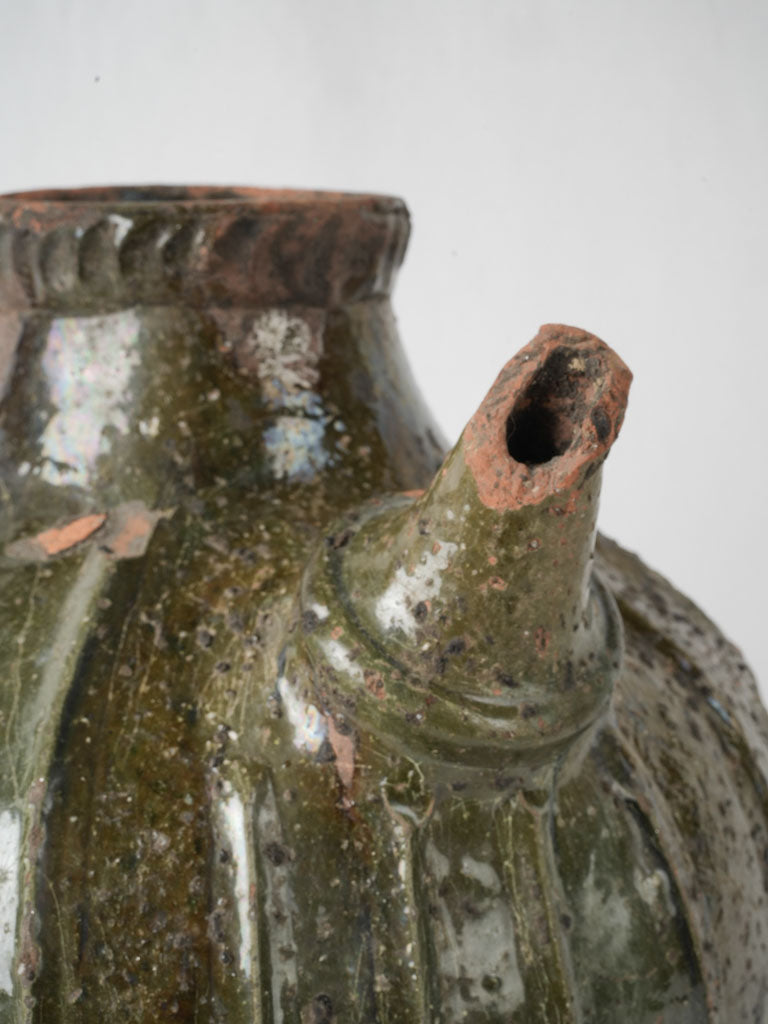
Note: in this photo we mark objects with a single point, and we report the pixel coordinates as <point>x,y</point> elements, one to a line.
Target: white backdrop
<point>602,163</point>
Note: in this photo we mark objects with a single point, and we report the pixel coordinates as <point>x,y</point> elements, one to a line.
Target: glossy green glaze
<point>285,738</point>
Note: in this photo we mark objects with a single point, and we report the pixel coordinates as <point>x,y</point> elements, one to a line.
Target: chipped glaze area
<point>56,539</point>
<point>124,532</point>
<point>276,746</point>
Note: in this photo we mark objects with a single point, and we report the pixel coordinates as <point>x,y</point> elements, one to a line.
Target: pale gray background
<point>602,163</point>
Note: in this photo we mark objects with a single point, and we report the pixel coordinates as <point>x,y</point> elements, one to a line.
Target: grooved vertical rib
<point>236,970</point>
<point>523,835</point>
<point>278,909</point>
<point>312,901</point>
<point>402,972</point>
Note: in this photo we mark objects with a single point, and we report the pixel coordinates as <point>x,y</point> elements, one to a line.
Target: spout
<point>476,602</point>
<point>553,412</point>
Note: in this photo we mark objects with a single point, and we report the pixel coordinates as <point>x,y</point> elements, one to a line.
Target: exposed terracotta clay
<point>127,532</point>
<point>56,539</point>
<point>130,528</point>
<point>343,745</point>
<point>579,388</point>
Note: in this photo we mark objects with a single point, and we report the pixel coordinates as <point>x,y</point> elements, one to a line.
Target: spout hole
<point>542,422</point>
<point>534,436</point>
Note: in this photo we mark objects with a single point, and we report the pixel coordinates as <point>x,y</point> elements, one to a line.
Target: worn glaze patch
<point>395,608</point>
<point>88,364</point>
<point>309,724</point>
<point>295,447</point>
<point>235,828</point>
<point>476,951</point>
<point>10,861</point>
<point>282,350</point>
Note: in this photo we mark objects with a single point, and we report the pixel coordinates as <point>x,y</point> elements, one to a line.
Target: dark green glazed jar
<point>302,722</point>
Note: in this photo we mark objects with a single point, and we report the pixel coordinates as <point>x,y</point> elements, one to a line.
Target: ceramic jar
<point>303,720</point>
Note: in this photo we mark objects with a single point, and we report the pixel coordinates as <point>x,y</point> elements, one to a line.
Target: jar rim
<point>104,247</point>
<point>193,195</point>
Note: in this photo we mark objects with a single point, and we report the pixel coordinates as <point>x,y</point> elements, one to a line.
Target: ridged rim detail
<point>81,249</point>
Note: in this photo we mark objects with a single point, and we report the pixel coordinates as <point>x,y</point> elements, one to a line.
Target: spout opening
<point>541,424</point>
<point>536,434</point>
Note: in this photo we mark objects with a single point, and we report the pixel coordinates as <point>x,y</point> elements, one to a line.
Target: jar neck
<point>154,403</point>
<point>157,343</point>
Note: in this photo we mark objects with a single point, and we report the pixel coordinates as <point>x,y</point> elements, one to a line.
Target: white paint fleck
<point>163,237</point>
<point>438,863</point>
<point>480,872</point>
<point>405,812</point>
<point>655,889</point>
<point>310,726</point>
<point>394,609</point>
<point>321,611</point>
<point>121,225</point>
<point>233,827</point>
<point>340,657</point>
<point>160,841</point>
<point>606,916</point>
<point>10,855</point>
<point>150,427</point>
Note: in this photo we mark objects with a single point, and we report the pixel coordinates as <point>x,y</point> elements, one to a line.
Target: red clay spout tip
<point>550,417</point>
